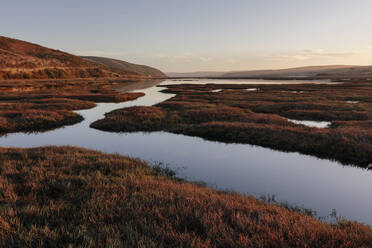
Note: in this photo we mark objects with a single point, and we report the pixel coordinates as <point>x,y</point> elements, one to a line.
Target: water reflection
<point>247,81</point>
<point>318,124</point>
<point>136,86</point>
<point>299,179</point>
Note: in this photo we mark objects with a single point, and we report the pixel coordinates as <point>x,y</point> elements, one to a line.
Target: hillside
<point>24,60</point>
<point>201,74</point>
<point>120,66</point>
<point>329,71</point>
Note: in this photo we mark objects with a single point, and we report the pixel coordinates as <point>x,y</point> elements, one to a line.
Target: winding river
<point>302,180</point>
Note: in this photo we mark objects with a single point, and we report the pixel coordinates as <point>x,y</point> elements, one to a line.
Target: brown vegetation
<point>61,197</point>
<point>120,66</point>
<point>257,117</point>
<point>37,106</point>
<point>24,60</point>
<point>307,72</point>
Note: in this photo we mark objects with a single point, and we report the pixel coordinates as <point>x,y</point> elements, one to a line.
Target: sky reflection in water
<point>321,185</point>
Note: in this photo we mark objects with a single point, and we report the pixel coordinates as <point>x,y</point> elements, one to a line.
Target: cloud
<point>323,53</point>
<point>313,51</point>
<point>185,57</point>
<point>205,59</point>
<point>100,53</point>
<point>289,58</point>
<point>307,54</point>
<point>232,61</point>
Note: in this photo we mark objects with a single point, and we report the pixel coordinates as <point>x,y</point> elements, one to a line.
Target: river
<point>319,184</point>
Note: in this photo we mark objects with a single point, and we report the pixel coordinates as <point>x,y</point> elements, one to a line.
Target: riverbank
<point>42,105</point>
<point>60,196</point>
<point>258,115</point>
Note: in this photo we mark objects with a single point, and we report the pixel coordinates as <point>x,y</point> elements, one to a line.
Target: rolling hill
<point>123,67</point>
<point>201,74</point>
<point>329,71</point>
<point>24,60</point>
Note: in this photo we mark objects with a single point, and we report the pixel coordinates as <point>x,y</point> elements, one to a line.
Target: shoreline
<point>260,117</point>
<point>86,195</point>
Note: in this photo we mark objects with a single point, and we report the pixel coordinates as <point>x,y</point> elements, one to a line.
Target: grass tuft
<point>73,197</point>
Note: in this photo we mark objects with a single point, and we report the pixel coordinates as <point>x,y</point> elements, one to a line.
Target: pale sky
<point>199,35</point>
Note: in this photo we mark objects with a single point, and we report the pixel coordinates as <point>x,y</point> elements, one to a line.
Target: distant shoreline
<point>281,78</point>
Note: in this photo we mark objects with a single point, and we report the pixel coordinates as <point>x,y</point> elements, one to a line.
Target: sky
<point>199,35</point>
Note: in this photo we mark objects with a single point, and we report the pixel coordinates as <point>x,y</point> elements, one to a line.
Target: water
<point>318,124</point>
<point>246,81</point>
<point>319,184</point>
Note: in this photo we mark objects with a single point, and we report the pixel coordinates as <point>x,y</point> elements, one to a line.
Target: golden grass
<point>259,117</point>
<point>65,196</point>
<point>24,60</point>
<point>37,106</point>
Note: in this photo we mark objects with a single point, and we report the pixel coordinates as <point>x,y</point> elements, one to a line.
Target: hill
<point>202,74</point>
<point>328,71</point>
<point>123,67</point>
<point>24,60</point>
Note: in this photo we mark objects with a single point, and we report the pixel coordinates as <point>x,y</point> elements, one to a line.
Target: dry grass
<point>59,197</point>
<point>37,106</point>
<point>259,117</point>
<point>24,60</point>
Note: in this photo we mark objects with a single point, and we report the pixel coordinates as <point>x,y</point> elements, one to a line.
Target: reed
<point>72,197</point>
<point>260,117</point>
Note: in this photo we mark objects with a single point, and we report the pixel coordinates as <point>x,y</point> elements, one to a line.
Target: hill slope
<point>201,74</point>
<point>331,71</point>
<point>120,66</point>
<point>21,59</point>
<point>328,71</point>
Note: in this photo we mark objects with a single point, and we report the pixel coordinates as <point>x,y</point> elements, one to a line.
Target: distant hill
<point>329,71</point>
<point>120,66</point>
<point>202,74</point>
<point>23,60</point>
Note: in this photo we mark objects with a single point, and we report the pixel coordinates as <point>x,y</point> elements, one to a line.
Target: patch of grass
<point>38,106</point>
<point>260,117</point>
<point>164,171</point>
<point>65,196</point>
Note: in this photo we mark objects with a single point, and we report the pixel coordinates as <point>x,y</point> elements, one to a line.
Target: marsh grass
<point>41,106</point>
<point>260,117</point>
<point>73,197</point>
<point>163,170</point>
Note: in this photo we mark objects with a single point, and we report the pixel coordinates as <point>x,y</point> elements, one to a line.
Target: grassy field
<point>41,105</point>
<point>24,60</point>
<point>72,197</point>
<point>257,114</point>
